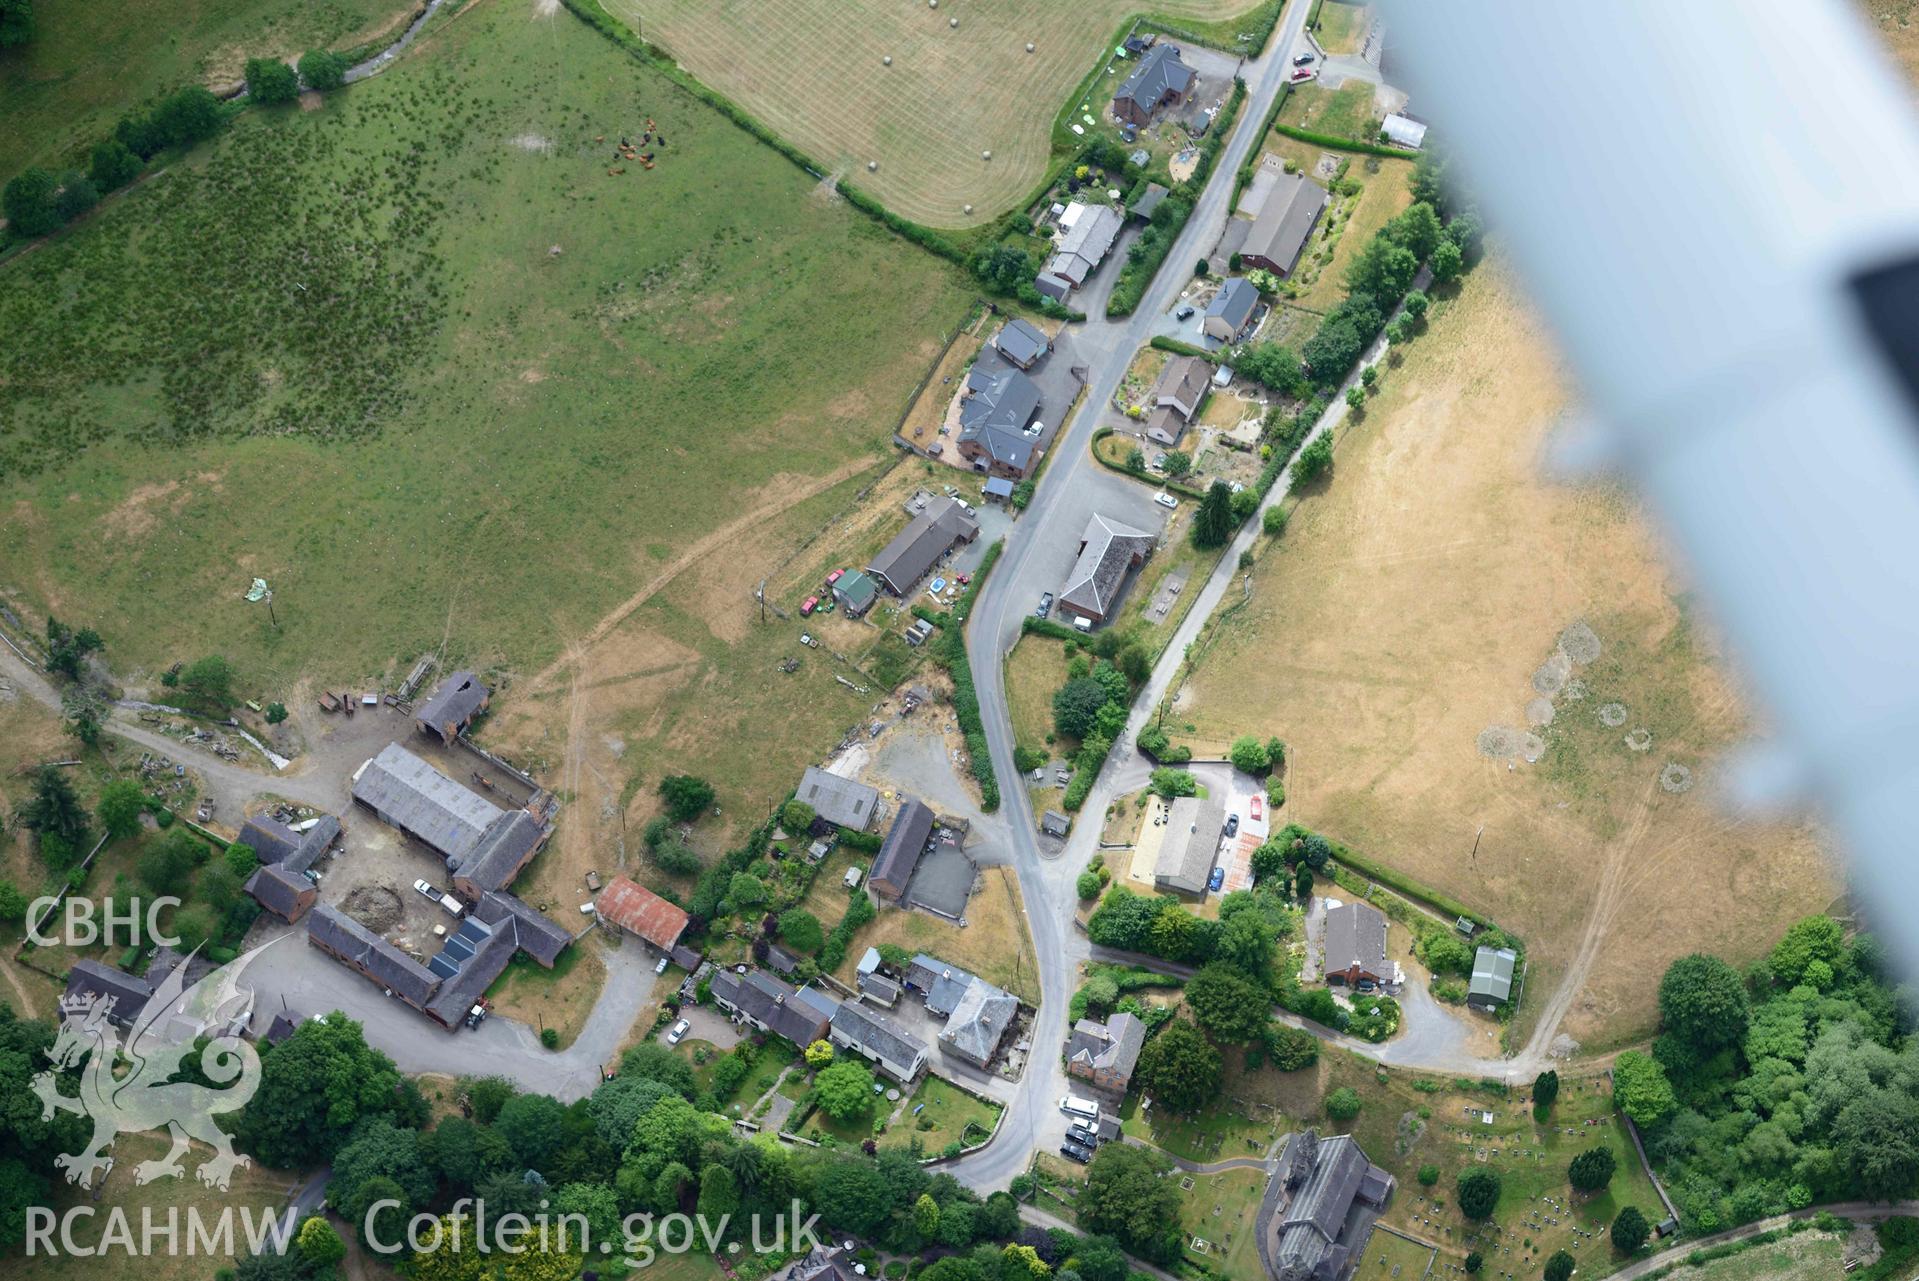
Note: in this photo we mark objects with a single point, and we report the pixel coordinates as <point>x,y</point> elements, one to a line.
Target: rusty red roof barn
<point>638,910</point>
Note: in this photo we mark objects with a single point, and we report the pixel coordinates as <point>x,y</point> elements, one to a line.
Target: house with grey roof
<point>1106,1053</point>
<point>940,526</point>
<point>1280,229</point>
<point>128,992</point>
<point>820,1002</point>
<point>1176,398</point>
<point>770,1005</point>
<point>1023,343</point>
<point>1149,200</point>
<point>873,1036</point>
<point>1356,944</point>
<point>1054,823</point>
<point>288,895</point>
<point>1492,982</point>
<point>1319,1209</point>
<point>995,408</point>
<point>1086,236</point>
<point>1108,552</point>
<point>900,852</point>
<point>408,793</point>
<point>1191,844</point>
<point>295,851</point>
<point>978,1023</point>
<point>1161,78</point>
<point>506,846</point>
<point>844,802</point>
<point>879,989</point>
<point>453,707</point>
<point>1230,309</point>
<point>822,1263</point>
<point>943,985</point>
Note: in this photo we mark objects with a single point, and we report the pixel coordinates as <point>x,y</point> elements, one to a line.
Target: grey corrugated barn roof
<point>407,791</point>
<point>842,802</point>
<point>459,697</point>
<point>1493,973</point>
<point>1356,935</point>
<point>1191,843</point>
<point>502,850</point>
<point>1107,550</point>
<point>900,852</point>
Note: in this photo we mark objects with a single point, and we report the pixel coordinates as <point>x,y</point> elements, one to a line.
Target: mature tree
<point>926,1216</point>
<point>1170,783</point>
<point>1447,262</point>
<point>113,166</point>
<point>1314,461</point>
<point>187,116</point>
<point>77,195</point>
<point>655,1062</point>
<point>1135,664</point>
<point>1136,461</point>
<point>380,1149</point>
<point>1478,1193</point>
<point>68,647</point>
<point>1246,942</point>
<point>54,810</point>
<point>1233,1010</point>
<point>321,69</point>
<point>1383,269</point>
<point>844,1090</point>
<point>1343,1104</point>
<point>16,22</point>
<point>1419,229</point>
<point>28,202</point>
<point>1317,851</point>
<point>1630,1230</point>
<point>1273,366</point>
<point>1641,1089</point>
<point>1877,1134</point>
<point>208,683</point>
<point>121,802</point>
<point>1592,1169</point>
<point>1559,1267</point>
<point>1546,1088</point>
<point>801,930</point>
<point>1416,304</point>
<point>1249,754</point>
<point>719,1192</point>
<point>1177,464</point>
<point>1474,1262</point>
<point>1810,940</point>
<point>1179,1067</point>
<point>1128,1196</point>
<point>319,1244</point>
<point>168,865</point>
<point>1269,861</point>
<point>1702,1001</point>
<point>314,1088</point>
<point>1356,398</point>
<point>486,1095</point>
<point>686,797</point>
<point>466,1154</point>
<point>13,904</point>
<point>1076,706</point>
<point>532,1126</point>
<point>745,890</point>
<point>1291,1048</point>
<point>851,1193</point>
<point>270,81</point>
<point>1214,524</point>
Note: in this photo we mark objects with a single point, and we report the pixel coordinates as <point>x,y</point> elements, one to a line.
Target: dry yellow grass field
<point>1412,606</point>
<point>813,70</point>
<point>992,944</point>
<point>1898,24</point>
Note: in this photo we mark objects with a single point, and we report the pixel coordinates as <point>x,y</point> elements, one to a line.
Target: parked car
<point>678,1032</point>
<point>1216,880</point>
<point>1076,1152</point>
<point>1304,73</point>
<point>1082,1134</point>
<point>1166,500</point>
<point>661,967</point>
<point>592,879</point>
<point>1045,605</point>
<point>1366,985</point>
<point>426,888</point>
<point>1232,825</point>
<point>1184,313</point>
<point>835,577</point>
<point>808,605</point>
<point>1256,810</point>
<point>1303,60</point>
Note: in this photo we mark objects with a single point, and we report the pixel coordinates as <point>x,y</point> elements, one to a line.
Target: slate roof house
<point>1492,983</point>
<point>1106,1053</point>
<point>900,851</point>
<point>288,895</point>
<point>978,1023</point>
<point>942,526</point>
<point>1230,309</point>
<point>1087,233</point>
<point>843,802</point>
<point>1160,78</point>
<point>1283,223</point>
<point>638,910</point>
<point>129,992</point>
<point>873,1036</point>
<point>770,1005</point>
<point>1356,944</point>
<point>1022,343</point>
<point>1108,550</point>
<point>274,842</point>
<point>998,403</point>
<point>1331,1193</point>
<point>1191,844</point>
<point>451,711</point>
<point>1177,396</point>
<point>821,1263</point>
<point>942,985</point>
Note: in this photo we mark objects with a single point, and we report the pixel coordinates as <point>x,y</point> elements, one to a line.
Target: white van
<point>1084,1108</point>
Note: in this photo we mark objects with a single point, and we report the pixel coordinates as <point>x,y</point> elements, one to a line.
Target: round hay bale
<point>872,166</point>
<point>985,155</point>
<point>1612,715</point>
<point>1639,740</point>
<point>1675,778</point>
<point>1498,742</point>
<point>1539,712</point>
<point>1029,46</point>
<point>1580,642</point>
<point>952,22</point>
<point>966,208</point>
<point>1531,747</point>
<point>932,4</point>
<point>887,61</point>
<point>1552,674</point>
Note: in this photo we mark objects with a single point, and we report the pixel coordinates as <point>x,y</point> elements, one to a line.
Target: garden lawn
<point>992,944</point>
<point>1343,26</point>
<point>1219,1209</point>
<point>1217,1132</point>
<point>1035,670</point>
<point>543,998</point>
<point>946,1113</point>
<point>1345,112</point>
<point>1803,1256</point>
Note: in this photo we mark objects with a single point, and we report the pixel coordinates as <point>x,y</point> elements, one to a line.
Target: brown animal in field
<point>601,138</point>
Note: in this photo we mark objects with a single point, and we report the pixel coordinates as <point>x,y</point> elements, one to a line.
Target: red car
<point>808,605</point>
<point>1304,73</point>
<point>834,577</point>
<point>1255,807</point>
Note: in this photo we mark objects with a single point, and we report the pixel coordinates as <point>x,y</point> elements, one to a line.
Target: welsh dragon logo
<point>131,1087</point>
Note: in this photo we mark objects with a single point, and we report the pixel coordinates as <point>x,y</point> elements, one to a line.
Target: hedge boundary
<point>1337,143</point>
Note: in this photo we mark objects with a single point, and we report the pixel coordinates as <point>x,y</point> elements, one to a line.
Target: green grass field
<point>1220,1209</point>
<point>1216,1132</point>
<point>477,403</point>
<point>79,74</point>
<point>1345,112</point>
<point>1804,1256</point>
<point>947,1115</point>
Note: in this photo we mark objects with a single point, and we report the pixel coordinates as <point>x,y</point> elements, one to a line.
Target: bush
<point>550,1037</point>
<point>28,201</point>
<point>187,116</point>
<point>1169,783</point>
<point>1428,1175</point>
<point>1248,754</point>
<point>1343,1104</point>
<point>271,81</point>
<point>1478,1194</point>
<point>323,70</point>
<point>1088,885</point>
<point>1027,759</point>
<point>1630,1230</point>
<point>112,166</point>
